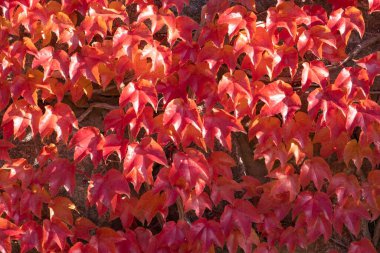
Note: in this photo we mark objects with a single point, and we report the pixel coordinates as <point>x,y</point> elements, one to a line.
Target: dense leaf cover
<point>185,89</point>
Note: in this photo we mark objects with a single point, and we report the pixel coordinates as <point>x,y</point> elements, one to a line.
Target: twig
<point>376,235</point>
<point>358,48</point>
<point>96,105</point>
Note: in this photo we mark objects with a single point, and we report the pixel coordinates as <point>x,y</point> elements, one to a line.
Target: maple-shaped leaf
<point>286,15</point>
<point>80,87</point>
<point>5,146</point>
<point>362,113</point>
<point>31,237</point>
<point>354,81</point>
<point>284,57</point>
<point>149,205</point>
<point>236,86</point>
<point>105,240</point>
<point>52,60</point>
<point>221,164</point>
<point>139,94</point>
<point>293,237</point>
<point>100,19</point>
<point>343,186</point>
<point>139,159</point>
<point>60,119</point>
<point>279,97</point>
<point>219,124</point>
<point>103,189</point>
<point>180,113</point>
<point>350,213</point>
<point>215,57</point>
<point>239,214</point>
<point>47,152</point>
<point>345,20</point>
<point>55,234</point>
<point>113,143</point>
<point>287,185</point>
<point>60,172</point>
<point>116,120</point>
<point>374,6</point>
<point>179,4</point>
<point>83,228</point>
<point>200,78</point>
<point>355,152</point>
<point>190,169</point>
<point>314,39</point>
<point>238,18</point>
<point>317,13</point>
<point>62,207</point>
<point>266,129</point>
<point>315,169</point>
<point>197,202</point>
<point>314,72</point>
<point>236,239</point>
<point>28,85</point>
<point>224,189</point>
<point>18,117</point>
<point>33,199</point>
<point>371,63</point>
<point>328,100</point>
<point>8,231</point>
<point>317,212</point>
<point>205,234</point>
<point>87,141</point>
<point>5,95</point>
<point>298,129</point>
<point>364,245</point>
<point>173,234</point>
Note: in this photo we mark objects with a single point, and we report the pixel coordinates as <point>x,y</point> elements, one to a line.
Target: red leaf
<point>139,94</point>
<point>287,185</point>
<point>190,169</point>
<point>105,240</point>
<point>345,20</point>
<point>113,143</point>
<point>138,162</point>
<point>47,152</point>
<point>219,124</point>
<point>149,205</point>
<point>221,164</point>
<point>206,234</point>
<point>18,117</point>
<point>314,72</point>
<point>87,141</point>
<point>364,245</point>
<point>102,190</point>
<point>355,152</point>
<point>54,235</point>
<point>354,81</point>
<point>287,15</point>
<point>314,39</point>
<point>60,119</point>
<point>8,230</point>
<point>224,189</point>
<point>197,202</point>
<point>52,60</point>
<point>374,5</point>
<point>350,213</point>
<point>315,169</point>
<point>180,114</point>
<point>343,186</point>
<point>61,208</point>
<point>317,211</point>
<point>31,237</point>
<point>279,97</point>
<point>240,215</point>
<point>173,235</point>
<point>362,113</point>
<point>372,64</point>
<point>58,173</point>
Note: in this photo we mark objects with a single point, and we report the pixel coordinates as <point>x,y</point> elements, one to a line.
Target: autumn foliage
<point>161,170</point>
